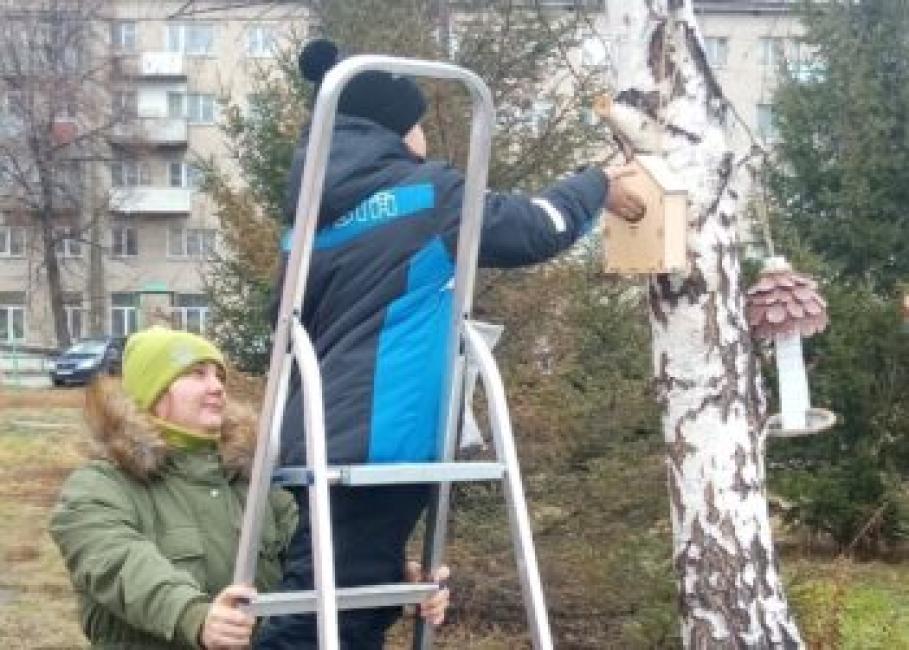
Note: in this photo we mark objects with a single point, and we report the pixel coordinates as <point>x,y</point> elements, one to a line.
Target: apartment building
<point>171,64</point>
<point>168,68</point>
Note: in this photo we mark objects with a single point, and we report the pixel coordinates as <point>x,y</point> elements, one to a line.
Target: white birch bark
<point>730,591</point>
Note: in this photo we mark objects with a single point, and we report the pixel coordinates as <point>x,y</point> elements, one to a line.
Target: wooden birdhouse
<point>656,243</point>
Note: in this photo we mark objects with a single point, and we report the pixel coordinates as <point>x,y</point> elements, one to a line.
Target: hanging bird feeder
<point>784,307</point>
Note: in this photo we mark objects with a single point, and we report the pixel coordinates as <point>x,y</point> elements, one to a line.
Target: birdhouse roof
<point>661,174</point>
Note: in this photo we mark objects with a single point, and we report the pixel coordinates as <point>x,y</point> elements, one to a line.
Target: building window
<point>766,123</point>
<point>260,41</point>
<point>124,104</point>
<point>124,241</point>
<point>191,312</point>
<point>12,241</point>
<point>123,35</point>
<point>184,175</point>
<point>67,244</point>
<point>197,243</point>
<point>773,51</point>
<point>194,39</point>
<point>129,173</point>
<point>75,315</point>
<point>12,316</point>
<point>124,314</point>
<point>717,50</point>
<point>198,108</point>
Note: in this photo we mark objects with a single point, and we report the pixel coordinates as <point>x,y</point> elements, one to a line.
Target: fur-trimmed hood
<point>132,441</point>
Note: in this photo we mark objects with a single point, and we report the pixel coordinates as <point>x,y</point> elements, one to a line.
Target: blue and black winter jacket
<point>379,292</point>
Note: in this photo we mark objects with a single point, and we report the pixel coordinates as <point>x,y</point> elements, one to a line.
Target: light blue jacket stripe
<point>409,363</point>
<point>381,208</point>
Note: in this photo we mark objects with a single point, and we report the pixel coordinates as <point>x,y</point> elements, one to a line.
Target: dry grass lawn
<point>39,438</point>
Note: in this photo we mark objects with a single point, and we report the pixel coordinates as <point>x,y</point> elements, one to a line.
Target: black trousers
<point>370,529</point>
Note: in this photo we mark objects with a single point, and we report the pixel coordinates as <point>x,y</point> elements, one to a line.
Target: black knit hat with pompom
<point>393,101</point>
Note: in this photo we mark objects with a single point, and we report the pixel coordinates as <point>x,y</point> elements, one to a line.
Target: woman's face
<point>195,400</point>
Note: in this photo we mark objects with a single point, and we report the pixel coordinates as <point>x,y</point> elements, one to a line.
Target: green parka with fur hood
<point>149,533</point>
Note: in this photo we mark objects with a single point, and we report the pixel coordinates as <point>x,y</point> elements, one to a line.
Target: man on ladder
<point>377,308</point>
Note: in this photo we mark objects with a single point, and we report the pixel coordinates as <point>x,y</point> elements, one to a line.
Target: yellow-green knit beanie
<point>155,357</point>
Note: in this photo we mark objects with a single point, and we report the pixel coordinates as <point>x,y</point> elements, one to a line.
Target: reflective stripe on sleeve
<point>558,221</point>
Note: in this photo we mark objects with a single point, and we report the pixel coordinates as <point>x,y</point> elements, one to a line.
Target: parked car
<point>85,359</point>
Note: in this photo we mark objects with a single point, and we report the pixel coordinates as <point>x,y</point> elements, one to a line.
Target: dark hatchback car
<point>85,359</point>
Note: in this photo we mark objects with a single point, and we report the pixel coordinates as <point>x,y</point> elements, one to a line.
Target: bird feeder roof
<point>783,302</point>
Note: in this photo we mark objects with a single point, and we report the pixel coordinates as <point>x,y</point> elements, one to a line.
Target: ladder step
<point>395,473</point>
<point>302,602</point>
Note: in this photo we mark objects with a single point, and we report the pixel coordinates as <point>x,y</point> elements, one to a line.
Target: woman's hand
<point>226,627</point>
<point>620,200</point>
<point>433,608</point>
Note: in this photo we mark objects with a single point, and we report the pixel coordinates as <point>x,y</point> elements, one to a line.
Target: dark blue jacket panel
<point>378,296</point>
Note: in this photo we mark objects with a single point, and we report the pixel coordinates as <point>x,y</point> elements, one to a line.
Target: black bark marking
<point>646,102</point>
<point>659,55</point>
<point>739,485</point>
<point>692,138</point>
<point>713,515</point>
<point>715,101</point>
<point>724,176</point>
<point>711,324</point>
<point>676,502</point>
<point>656,305</point>
<point>692,287</point>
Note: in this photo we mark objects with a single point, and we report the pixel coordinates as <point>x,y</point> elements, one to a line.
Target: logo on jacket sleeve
<point>379,209</point>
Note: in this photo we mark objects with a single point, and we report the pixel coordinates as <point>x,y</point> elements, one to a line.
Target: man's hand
<point>433,608</point>
<point>620,201</point>
<point>226,627</point>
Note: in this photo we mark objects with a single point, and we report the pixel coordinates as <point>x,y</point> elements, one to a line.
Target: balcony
<point>161,64</point>
<point>150,200</point>
<point>150,65</point>
<point>161,131</point>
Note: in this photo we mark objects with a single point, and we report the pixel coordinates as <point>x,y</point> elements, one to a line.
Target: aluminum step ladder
<point>465,344</point>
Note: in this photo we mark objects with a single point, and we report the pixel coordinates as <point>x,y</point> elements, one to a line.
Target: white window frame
<point>185,38</point>
<point>180,241</point>
<point>10,235</point>
<point>182,314</point>
<point>129,173</point>
<point>716,48</point>
<point>67,246</point>
<point>123,35</point>
<point>128,315</point>
<point>261,41</point>
<point>12,311</point>
<point>75,320</point>
<point>119,239</point>
<point>196,108</point>
<point>187,176</point>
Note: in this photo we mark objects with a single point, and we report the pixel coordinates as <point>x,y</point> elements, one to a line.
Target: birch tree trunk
<point>730,591</point>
